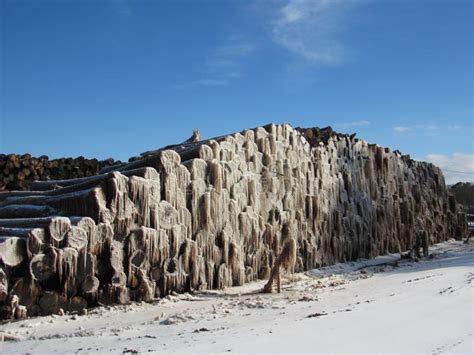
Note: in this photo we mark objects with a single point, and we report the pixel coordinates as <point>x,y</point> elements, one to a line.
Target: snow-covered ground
<point>378,306</point>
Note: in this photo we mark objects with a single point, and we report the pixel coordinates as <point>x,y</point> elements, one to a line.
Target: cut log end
<point>12,251</point>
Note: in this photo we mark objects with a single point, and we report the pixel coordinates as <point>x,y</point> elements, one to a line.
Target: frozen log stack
<point>17,172</point>
<point>209,215</point>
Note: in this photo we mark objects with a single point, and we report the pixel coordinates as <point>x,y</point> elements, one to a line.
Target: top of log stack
<point>187,150</point>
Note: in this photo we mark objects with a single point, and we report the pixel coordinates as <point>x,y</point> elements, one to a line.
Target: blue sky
<point>115,78</point>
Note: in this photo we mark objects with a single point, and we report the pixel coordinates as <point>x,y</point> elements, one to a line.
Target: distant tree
<point>464,192</point>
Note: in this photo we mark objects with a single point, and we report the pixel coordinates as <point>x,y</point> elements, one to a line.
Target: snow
<point>385,305</point>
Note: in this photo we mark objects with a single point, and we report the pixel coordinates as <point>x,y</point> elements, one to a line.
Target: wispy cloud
<point>203,82</point>
<point>122,7</point>
<point>454,127</point>
<point>311,29</point>
<point>426,129</point>
<point>224,64</point>
<point>456,167</point>
<point>401,129</point>
<point>352,124</point>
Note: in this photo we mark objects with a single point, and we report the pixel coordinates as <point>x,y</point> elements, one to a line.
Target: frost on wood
<point>214,214</point>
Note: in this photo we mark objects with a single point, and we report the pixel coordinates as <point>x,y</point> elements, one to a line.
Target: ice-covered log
<point>12,251</point>
<point>3,286</point>
<point>212,214</point>
<point>58,228</point>
<point>76,238</point>
<point>36,241</point>
<point>43,267</point>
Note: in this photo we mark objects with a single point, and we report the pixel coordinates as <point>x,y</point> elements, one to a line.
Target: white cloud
<point>456,167</point>
<point>353,124</point>
<point>310,28</point>
<point>402,129</point>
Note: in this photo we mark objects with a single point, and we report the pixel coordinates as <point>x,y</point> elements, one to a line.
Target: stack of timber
<point>17,172</point>
<point>209,215</point>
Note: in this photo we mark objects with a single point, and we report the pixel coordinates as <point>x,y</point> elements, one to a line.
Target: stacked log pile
<point>209,215</point>
<point>17,172</point>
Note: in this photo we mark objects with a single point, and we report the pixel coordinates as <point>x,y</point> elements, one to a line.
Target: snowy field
<point>378,306</point>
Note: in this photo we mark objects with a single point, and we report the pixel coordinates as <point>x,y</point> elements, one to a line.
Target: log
<point>25,211</point>
<point>47,198</point>
<point>15,232</point>
<point>90,287</point>
<point>43,266</point>
<point>105,234</point>
<point>83,183</point>
<point>76,304</point>
<point>89,226</point>
<point>168,216</point>
<point>36,222</point>
<point>186,152</point>
<point>8,194</point>
<point>3,286</point>
<point>76,238</point>
<point>68,271</point>
<point>58,228</point>
<point>52,302</point>
<point>38,185</point>
<point>18,173</point>
<point>86,265</point>
<point>12,251</point>
<point>27,290</point>
<point>36,241</point>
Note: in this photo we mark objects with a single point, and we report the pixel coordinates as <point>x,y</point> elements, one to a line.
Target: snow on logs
<point>211,215</point>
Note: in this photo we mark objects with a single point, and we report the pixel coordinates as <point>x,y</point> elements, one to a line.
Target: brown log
<point>76,304</point>
<point>51,302</point>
